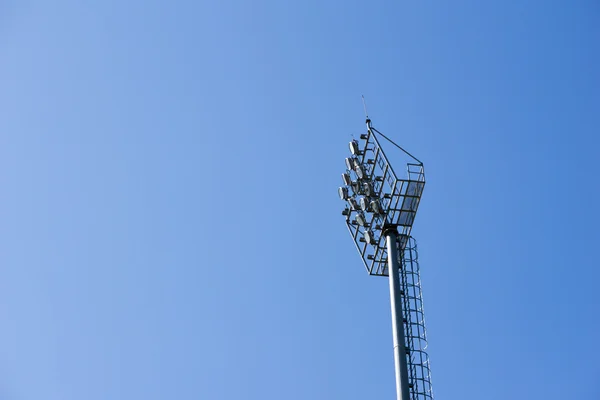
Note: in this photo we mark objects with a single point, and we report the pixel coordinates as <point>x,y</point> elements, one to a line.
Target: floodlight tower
<point>380,211</point>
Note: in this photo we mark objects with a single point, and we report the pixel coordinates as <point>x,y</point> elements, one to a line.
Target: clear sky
<point>169,219</point>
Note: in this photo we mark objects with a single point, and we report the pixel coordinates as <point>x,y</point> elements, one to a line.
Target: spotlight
<point>346,179</point>
<point>343,192</point>
<point>360,171</point>
<point>376,207</point>
<point>354,147</point>
<point>349,163</point>
<point>369,238</point>
<point>368,189</point>
<point>364,204</point>
<point>360,218</point>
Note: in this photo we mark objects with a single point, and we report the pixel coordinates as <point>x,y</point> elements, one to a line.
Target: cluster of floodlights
<point>361,190</point>
<point>376,198</point>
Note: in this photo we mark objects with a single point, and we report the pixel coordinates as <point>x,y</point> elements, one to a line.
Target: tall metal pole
<point>402,391</point>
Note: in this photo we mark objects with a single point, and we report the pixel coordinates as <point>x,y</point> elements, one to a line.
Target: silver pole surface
<point>402,392</point>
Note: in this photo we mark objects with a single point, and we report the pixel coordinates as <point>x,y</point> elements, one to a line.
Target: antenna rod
<point>365,106</point>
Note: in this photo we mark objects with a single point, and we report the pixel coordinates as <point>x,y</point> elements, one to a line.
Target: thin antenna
<point>365,106</point>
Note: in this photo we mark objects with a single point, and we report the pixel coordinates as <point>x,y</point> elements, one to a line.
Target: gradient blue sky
<point>169,223</point>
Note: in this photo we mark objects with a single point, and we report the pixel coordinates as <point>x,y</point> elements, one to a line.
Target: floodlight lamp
<point>368,189</point>
<point>376,207</point>
<point>343,192</point>
<point>360,218</point>
<point>369,238</point>
<point>354,147</point>
<point>349,163</point>
<point>346,178</point>
<point>364,204</point>
<point>360,172</point>
<point>356,188</point>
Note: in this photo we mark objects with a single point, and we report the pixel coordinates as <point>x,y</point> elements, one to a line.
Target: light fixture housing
<point>368,189</point>
<point>349,163</point>
<point>343,192</point>
<point>361,219</point>
<point>369,237</point>
<point>354,148</point>
<point>360,171</point>
<point>376,207</point>
<point>346,178</point>
<point>364,204</point>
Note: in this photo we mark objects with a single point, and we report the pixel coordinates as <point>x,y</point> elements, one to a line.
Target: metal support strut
<point>402,389</point>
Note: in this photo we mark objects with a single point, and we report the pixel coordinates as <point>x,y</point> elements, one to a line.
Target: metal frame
<point>398,197</point>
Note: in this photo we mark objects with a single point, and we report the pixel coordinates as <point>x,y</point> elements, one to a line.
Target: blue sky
<point>170,227</point>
